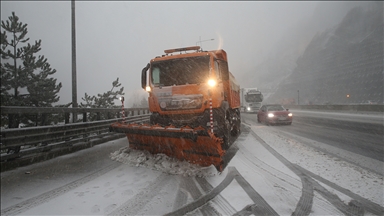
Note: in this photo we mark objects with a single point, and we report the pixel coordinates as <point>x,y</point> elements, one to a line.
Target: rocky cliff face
<point>341,65</point>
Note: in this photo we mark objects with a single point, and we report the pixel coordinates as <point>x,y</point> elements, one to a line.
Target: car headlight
<point>248,108</point>
<point>148,88</point>
<point>270,115</point>
<point>290,114</point>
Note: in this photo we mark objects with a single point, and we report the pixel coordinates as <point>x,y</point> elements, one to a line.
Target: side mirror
<point>144,76</point>
<point>287,109</point>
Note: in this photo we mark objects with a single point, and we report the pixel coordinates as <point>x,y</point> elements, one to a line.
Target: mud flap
<point>197,145</point>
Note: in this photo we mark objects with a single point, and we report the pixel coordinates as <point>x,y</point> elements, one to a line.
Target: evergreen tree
<point>42,89</point>
<point>105,100</point>
<point>22,70</point>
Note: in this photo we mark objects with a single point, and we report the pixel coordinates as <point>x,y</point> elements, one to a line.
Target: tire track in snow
<point>138,202</point>
<point>45,197</point>
<point>366,204</point>
<point>272,175</point>
<point>304,205</point>
<point>190,185</point>
<point>202,204</point>
<point>219,200</point>
<point>261,206</point>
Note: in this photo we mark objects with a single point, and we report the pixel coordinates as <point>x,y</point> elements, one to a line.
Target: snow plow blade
<point>197,146</point>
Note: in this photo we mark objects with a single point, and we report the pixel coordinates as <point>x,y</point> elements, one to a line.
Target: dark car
<point>274,114</point>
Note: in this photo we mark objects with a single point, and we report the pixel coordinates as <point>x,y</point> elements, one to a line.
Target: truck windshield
<point>253,98</point>
<point>181,71</point>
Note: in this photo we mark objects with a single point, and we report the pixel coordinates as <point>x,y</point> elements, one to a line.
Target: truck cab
<point>188,88</point>
<point>251,100</point>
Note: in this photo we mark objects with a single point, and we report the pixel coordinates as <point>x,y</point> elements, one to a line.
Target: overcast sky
<point>117,39</point>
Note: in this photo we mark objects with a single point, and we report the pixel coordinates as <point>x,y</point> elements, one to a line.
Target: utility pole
<point>242,98</point>
<point>74,82</point>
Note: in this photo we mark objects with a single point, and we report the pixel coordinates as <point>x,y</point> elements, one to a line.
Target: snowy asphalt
<point>276,172</point>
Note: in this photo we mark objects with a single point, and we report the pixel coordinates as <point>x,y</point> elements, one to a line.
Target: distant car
<point>274,114</point>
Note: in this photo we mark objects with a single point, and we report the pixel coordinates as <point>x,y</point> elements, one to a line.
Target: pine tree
<point>105,100</point>
<point>22,70</point>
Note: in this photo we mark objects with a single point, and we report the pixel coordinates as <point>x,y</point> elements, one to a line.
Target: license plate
<point>282,118</point>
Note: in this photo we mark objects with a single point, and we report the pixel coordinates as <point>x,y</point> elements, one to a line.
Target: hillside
<point>344,60</point>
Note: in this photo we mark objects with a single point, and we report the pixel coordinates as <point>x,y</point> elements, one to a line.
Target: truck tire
<point>235,123</point>
<point>223,127</point>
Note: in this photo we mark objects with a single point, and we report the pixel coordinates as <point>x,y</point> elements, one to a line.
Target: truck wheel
<point>235,131</point>
<point>223,127</point>
<point>235,125</point>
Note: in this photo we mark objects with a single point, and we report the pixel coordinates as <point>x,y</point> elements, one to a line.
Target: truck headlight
<point>211,82</point>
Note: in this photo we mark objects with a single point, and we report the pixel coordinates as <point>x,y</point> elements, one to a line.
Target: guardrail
<point>354,108</point>
<point>110,112</point>
<point>23,146</point>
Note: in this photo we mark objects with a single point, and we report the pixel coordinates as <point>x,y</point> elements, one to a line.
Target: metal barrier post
<point>122,107</point>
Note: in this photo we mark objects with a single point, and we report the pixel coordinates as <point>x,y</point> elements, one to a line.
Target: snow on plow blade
<point>197,146</point>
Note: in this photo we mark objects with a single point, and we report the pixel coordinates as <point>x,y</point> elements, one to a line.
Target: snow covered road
<point>273,173</point>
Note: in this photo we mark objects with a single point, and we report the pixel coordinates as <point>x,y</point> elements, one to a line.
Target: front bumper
<point>281,120</point>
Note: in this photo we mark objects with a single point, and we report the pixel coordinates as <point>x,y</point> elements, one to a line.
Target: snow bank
<point>161,162</point>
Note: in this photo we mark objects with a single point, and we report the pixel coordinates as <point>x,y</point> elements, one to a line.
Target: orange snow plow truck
<point>194,102</point>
